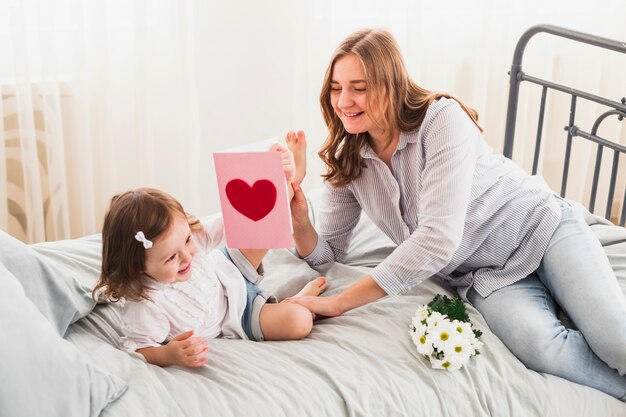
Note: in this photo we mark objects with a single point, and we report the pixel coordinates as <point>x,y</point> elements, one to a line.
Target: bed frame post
<point>511,112</point>
<point>516,74</point>
<point>514,82</point>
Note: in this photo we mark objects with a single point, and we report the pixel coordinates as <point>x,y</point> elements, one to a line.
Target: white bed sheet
<point>360,364</point>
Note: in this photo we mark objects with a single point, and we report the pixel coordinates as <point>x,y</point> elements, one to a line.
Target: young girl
<point>181,287</point>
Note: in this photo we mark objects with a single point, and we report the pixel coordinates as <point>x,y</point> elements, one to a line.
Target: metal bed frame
<point>614,108</point>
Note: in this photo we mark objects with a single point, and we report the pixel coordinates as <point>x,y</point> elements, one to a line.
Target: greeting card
<point>254,199</point>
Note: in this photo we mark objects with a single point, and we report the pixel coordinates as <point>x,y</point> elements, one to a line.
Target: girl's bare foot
<point>296,142</point>
<point>314,287</point>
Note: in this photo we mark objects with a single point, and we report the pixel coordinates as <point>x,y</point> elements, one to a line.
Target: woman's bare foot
<point>314,287</point>
<point>296,142</point>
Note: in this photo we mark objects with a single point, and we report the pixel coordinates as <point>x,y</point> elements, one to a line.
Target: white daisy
<point>460,351</point>
<point>435,318</point>
<point>424,344</point>
<point>443,335</point>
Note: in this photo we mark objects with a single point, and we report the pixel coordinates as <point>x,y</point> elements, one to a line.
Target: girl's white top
<point>211,301</point>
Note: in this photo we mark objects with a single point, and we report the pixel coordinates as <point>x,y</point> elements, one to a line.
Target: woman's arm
<point>447,175</point>
<point>364,291</point>
<point>449,145</point>
<point>304,234</point>
<point>335,220</point>
<point>305,237</point>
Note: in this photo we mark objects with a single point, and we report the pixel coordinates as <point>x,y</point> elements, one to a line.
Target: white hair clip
<point>147,244</point>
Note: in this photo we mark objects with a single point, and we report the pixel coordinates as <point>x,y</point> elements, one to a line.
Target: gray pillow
<point>42,374</point>
<point>57,277</point>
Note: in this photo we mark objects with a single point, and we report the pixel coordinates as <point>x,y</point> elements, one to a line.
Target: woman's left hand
<point>299,209</point>
<point>322,306</point>
<point>286,157</point>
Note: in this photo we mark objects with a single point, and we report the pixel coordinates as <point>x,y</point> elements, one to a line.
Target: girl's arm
<point>146,325</point>
<point>212,234</point>
<point>182,350</point>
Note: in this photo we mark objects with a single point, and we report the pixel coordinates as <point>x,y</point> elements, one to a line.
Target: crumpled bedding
<point>360,364</point>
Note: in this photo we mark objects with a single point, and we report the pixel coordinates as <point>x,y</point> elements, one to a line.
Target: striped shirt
<point>455,209</point>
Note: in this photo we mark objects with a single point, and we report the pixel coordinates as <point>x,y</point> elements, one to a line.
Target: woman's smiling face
<point>349,95</point>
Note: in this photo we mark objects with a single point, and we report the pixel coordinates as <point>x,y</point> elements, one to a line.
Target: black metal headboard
<point>614,108</point>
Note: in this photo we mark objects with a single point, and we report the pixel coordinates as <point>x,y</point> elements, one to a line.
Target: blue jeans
<point>255,300</point>
<point>576,276</point>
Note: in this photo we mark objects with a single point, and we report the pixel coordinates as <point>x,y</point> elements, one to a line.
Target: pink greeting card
<point>254,199</point>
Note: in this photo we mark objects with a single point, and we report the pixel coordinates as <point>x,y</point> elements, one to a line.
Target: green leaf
<point>454,308</point>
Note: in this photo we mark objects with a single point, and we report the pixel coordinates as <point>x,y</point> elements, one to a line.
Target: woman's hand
<point>304,234</point>
<point>322,306</point>
<point>299,208</point>
<point>286,157</point>
<point>363,292</point>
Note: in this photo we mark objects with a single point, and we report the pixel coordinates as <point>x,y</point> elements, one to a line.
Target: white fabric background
<point>98,97</point>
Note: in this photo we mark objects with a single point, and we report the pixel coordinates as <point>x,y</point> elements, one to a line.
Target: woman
<point>416,163</point>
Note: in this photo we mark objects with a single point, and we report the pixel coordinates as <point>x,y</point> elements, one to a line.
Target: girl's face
<point>169,259</point>
<point>348,96</point>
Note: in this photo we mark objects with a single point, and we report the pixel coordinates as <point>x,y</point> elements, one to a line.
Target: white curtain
<point>96,97</point>
<point>99,97</point>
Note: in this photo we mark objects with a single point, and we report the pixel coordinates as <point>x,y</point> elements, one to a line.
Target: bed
<point>360,364</point>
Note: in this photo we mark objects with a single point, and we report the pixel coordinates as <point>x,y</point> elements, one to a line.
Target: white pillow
<point>42,374</point>
<point>56,276</point>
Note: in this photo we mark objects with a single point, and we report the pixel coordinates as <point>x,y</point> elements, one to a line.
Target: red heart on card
<point>253,202</point>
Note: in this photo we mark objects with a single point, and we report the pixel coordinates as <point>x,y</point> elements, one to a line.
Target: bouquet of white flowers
<point>443,333</point>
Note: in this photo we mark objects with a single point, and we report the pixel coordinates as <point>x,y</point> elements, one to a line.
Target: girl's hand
<point>188,351</point>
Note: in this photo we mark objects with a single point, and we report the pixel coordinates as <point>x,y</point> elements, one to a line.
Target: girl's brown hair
<point>403,107</point>
<point>123,257</point>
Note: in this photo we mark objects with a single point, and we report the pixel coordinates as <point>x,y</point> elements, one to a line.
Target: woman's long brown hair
<point>402,103</point>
